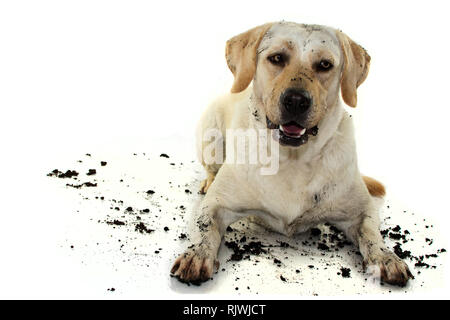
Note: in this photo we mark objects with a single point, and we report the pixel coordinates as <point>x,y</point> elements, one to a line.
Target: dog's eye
<point>324,65</point>
<point>277,59</point>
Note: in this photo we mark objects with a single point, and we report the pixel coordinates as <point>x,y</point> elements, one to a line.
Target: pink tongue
<point>292,129</point>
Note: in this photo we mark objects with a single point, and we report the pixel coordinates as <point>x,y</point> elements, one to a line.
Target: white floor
<point>72,251</point>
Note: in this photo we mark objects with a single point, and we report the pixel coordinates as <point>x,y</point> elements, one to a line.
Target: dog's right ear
<point>240,52</point>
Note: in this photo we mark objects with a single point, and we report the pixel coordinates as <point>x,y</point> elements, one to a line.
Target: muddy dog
<point>297,72</point>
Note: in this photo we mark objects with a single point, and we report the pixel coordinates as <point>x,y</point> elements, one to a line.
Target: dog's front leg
<point>197,263</point>
<point>379,261</point>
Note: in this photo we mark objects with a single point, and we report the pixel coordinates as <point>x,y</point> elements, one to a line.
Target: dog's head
<point>297,72</point>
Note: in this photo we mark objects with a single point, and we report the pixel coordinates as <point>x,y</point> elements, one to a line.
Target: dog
<point>288,79</point>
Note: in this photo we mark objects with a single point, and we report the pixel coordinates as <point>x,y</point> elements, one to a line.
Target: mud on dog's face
<point>297,71</point>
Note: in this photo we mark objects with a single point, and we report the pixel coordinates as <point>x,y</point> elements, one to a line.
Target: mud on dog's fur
<point>299,73</point>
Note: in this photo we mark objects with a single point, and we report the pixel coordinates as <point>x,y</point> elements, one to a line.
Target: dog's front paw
<point>389,268</point>
<point>194,266</point>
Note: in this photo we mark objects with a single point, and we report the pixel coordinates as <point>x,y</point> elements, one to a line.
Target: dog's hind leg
<point>207,182</point>
<point>210,137</point>
<point>211,161</point>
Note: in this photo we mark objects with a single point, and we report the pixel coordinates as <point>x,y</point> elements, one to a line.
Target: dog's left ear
<point>241,55</point>
<point>356,68</point>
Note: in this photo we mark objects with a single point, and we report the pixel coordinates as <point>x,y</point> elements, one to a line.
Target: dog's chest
<point>297,195</point>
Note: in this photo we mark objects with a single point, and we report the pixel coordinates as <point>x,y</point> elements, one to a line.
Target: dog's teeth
<point>303,131</point>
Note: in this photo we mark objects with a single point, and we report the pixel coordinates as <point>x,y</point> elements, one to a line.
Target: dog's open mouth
<point>292,130</point>
<point>291,133</point>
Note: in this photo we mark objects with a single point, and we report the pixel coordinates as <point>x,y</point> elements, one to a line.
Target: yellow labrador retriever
<point>298,72</point>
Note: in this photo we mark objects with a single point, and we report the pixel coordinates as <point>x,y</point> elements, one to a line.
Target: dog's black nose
<point>296,101</point>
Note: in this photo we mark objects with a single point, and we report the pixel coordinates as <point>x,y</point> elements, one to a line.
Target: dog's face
<point>297,72</point>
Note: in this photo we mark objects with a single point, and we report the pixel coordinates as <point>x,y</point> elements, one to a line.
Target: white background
<point>80,75</point>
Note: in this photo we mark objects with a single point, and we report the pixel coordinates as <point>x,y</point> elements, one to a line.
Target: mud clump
<point>244,251</point>
<point>402,254</point>
<point>345,272</point>
<point>182,236</point>
<point>79,186</point>
<point>63,175</point>
<point>284,244</point>
<point>142,228</point>
<point>116,223</point>
<point>395,234</point>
